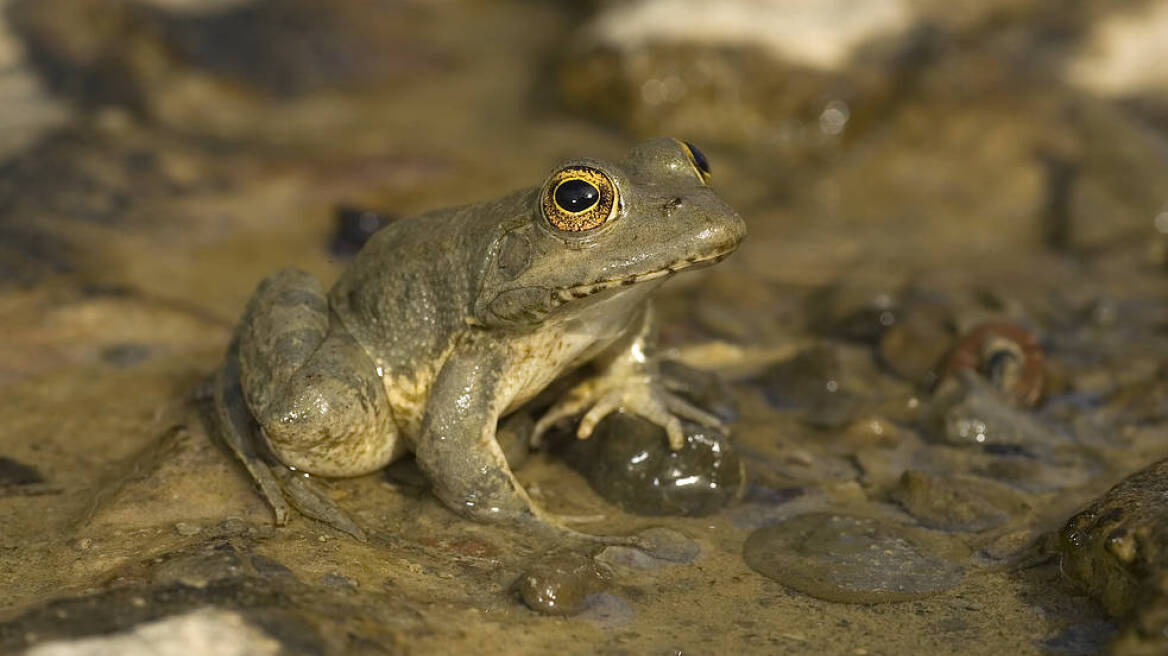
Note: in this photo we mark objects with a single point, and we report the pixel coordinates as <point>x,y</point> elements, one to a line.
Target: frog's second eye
<point>699,161</point>
<point>579,198</point>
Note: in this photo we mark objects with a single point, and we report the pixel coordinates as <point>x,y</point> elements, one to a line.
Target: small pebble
<point>18,473</point>
<point>187,530</point>
<point>269,568</point>
<point>560,583</point>
<point>233,526</point>
<point>353,228</point>
<point>957,503</point>
<point>968,411</point>
<point>667,544</point>
<point>335,580</point>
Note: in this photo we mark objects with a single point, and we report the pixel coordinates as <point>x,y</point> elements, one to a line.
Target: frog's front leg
<point>456,447</point>
<point>630,379</point>
<point>466,466</point>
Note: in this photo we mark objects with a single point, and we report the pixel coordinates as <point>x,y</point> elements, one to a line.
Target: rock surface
<point>851,559</point>
<point>628,462</point>
<point>1117,548</point>
<point>943,175</point>
<point>206,631</point>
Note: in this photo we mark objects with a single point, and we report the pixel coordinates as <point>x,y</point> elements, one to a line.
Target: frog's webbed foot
<point>237,429</point>
<point>558,527</point>
<point>281,487</point>
<point>640,394</point>
<point>312,502</point>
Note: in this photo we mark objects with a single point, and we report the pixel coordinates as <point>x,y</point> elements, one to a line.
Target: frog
<point>445,324</point>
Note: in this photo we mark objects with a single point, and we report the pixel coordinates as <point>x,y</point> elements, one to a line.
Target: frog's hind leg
<point>239,432</point>
<point>316,399</point>
<point>278,484</point>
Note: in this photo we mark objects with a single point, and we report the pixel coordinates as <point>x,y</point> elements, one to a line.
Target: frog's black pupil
<point>699,158</point>
<point>577,195</point>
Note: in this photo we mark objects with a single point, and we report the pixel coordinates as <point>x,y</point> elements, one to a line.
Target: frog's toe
<point>271,490</point>
<point>607,404</point>
<point>565,520</point>
<point>312,502</point>
<point>560,411</point>
<point>686,410</point>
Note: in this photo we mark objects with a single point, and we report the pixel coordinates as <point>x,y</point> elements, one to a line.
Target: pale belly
<point>543,356</point>
<point>539,359</point>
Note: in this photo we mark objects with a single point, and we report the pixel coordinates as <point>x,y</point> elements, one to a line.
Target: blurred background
<point>907,169</point>
<point>187,146</point>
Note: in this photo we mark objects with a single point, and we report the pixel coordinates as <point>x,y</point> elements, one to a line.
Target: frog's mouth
<point>577,292</point>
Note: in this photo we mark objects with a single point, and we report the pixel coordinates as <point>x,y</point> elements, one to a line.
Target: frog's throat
<point>576,292</point>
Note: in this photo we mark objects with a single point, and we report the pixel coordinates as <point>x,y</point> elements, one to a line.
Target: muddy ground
<point>954,169</point>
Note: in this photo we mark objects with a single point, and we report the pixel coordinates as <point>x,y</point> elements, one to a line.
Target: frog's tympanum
<point>445,323</point>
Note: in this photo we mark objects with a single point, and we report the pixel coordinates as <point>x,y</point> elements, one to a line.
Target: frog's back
<point>406,293</point>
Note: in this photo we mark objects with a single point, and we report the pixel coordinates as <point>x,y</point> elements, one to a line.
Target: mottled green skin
<point>447,322</point>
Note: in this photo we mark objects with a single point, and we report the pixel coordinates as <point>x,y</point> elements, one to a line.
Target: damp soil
<point>864,500</point>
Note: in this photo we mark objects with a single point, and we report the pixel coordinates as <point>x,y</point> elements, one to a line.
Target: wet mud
<point>941,352</point>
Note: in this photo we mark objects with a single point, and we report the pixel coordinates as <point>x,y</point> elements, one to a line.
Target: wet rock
<point>270,569</point>
<point>667,544</point>
<point>29,111</point>
<point>822,35</point>
<point>13,472</point>
<point>560,583</point>
<point>860,313</point>
<point>736,70</point>
<point>233,526</point>
<point>957,503</point>
<point>914,345</point>
<point>833,409</point>
<point>203,631</point>
<point>1021,547</point>
<point>319,46</point>
<point>1035,471</point>
<point>874,431</point>
<point>608,611</point>
<point>628,462</point>
<point>968,411</point>
<point>217,70</point>
<point>1080,638</point>
<point>851,559</point>
<point>706,389</point>
<point>1006,355</point>
<point>813,380</point>
<point>618,557</point>
<point>126,355</point>
<point>186,530</point>
<point>200,569</point>
<point>180,463</point>
<point>334,580</point>
<point>658,547</point>
<point>1117,548</point>
<point>353,228</point>
<point>121,608</point>
<point>1120,56</point>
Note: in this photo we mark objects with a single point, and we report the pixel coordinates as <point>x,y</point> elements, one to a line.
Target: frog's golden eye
<point>699,161</point>
<point>579,198</point>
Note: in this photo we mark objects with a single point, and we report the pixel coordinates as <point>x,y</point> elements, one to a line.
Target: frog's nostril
<point>672,205</point>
